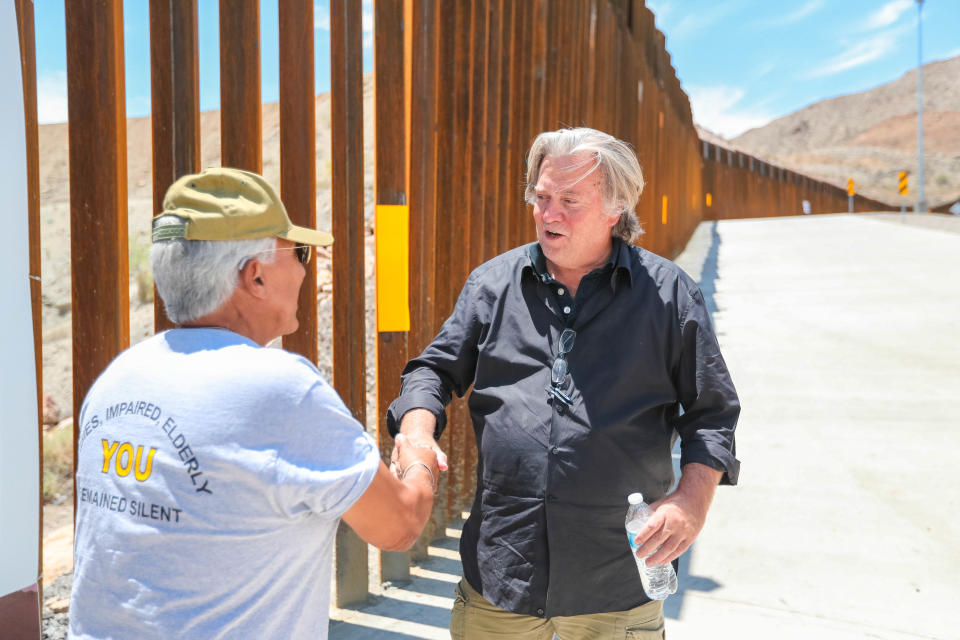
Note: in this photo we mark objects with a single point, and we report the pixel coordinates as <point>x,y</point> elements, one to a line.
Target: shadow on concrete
<point>415,608</point>
<point>443,565</point>
<point>431,587</point>
<point>673,605</point>
<point>351,631</point>
<point>453,544</point>
<point>401,608</point>
<point>709,273</point>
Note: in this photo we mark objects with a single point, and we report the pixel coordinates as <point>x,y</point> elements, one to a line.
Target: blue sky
<point>743,62</point>
<point>52,54</point>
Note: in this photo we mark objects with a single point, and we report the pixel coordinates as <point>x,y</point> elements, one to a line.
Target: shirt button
<point>566,309</point>
<point>560,291</point>
<point>555,450</point>
<point>539,612</point>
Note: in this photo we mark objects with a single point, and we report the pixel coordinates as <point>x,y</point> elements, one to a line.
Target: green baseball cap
<point>229,204</point>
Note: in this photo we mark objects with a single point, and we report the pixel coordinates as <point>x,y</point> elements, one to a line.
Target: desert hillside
<point>872,135</point>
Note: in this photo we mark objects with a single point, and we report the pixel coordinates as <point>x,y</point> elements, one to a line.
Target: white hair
<point>196,277</point>
<point>622,176</point>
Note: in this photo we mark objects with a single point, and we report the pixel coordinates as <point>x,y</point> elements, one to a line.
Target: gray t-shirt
<point>211,477</point>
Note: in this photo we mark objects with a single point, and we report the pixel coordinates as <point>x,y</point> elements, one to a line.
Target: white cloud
<point>811,7</point>
<point>52,97</point>
<point>321,18</point>
<point>718,108</point>
<point>696,21</point>
<point>858,54</point>
<point>764,69</point>
<point>889,13</point>
<point>366,23</point>
<point>796,16</point>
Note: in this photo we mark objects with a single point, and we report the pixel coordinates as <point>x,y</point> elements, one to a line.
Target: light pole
<point>921,199</point>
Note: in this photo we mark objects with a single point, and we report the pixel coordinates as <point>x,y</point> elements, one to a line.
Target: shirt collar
<point>618,262</point>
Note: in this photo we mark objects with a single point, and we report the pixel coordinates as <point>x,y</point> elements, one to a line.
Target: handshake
<point>415,449</point>
<point>411,457</point>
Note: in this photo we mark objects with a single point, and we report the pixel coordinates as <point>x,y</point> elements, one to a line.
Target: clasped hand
<point>416,427</point>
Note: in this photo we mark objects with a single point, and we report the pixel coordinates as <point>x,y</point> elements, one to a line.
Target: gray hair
<point>622,177</point>
<point>196,277</point>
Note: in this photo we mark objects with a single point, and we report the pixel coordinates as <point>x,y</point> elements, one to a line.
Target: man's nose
<point>552,211</point>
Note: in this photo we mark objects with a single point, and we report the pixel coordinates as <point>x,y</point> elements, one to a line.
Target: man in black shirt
<point>588,357</point>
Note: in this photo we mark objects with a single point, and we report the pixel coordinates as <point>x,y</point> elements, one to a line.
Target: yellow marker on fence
<point>393,255</point>
<point>902,183</point>
<point>709,200</point>
<point>663,215</point>
<point>850,190</point>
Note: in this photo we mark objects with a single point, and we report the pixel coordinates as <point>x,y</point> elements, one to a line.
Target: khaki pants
<point>474,618</point>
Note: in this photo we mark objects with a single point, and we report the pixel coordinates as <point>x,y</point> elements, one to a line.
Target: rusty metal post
<point>492,161</point>
<point>175,104</point>
<point>421,191</point>
<point>475,151</point>
<point>98,191</point>
<point>422,188</point>
<point>349,340</point>
<point>391,189</point>
<point>503,104</point>
<point>445,245</point>
<point>298,154</point>
<point>240,137</point>
<point>461,437</point>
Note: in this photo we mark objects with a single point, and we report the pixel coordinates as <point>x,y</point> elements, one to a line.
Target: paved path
<point>420,609</point>
<point>843,336</point>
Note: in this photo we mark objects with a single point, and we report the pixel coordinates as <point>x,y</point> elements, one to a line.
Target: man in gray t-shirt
<point>212,472</point>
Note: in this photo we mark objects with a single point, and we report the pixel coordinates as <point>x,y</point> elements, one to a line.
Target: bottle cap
<point>635,498</point>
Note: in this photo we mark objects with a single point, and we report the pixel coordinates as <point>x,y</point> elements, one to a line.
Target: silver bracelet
<point>433,479</point>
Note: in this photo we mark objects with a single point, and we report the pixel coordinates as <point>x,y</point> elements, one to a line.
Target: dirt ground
<point>57,540</point>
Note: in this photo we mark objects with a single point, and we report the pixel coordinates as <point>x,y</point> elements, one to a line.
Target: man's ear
<point>251,279</point>
<point>615,218</point>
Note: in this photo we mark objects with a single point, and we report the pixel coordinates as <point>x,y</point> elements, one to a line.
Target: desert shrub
<point>57,464</point>
<point>140,271</point>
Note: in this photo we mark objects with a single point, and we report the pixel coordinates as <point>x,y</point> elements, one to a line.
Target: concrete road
<point>843,336</point>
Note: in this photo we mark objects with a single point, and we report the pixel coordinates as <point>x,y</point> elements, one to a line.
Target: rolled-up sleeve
<point>446,366</point>
<point>706,393</point>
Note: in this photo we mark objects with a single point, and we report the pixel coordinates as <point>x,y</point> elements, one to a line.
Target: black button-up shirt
<point>546,531</point>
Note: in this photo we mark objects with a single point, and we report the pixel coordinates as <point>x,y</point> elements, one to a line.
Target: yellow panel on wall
<point>393,256</point>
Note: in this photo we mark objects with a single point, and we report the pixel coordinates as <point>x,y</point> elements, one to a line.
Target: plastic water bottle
<point>658,581</point>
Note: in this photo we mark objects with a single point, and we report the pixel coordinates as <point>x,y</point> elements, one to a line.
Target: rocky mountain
<point>872,135</point>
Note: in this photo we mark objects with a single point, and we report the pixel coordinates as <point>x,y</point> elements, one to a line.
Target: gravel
<point>56,619</point>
